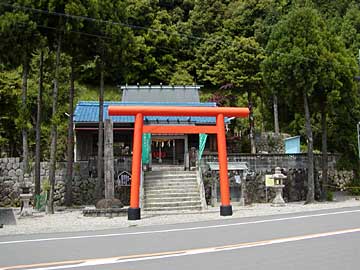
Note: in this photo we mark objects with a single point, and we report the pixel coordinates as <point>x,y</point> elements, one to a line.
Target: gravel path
<point>73,220</point>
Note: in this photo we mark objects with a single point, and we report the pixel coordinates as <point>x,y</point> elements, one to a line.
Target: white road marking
<point>179,229</point>
<point>171,254</point>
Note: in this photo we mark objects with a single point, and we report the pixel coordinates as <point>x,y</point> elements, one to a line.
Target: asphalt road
<point>313,240</point>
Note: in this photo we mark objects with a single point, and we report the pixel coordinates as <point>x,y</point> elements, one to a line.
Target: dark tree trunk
<point>324,164</point>
<point>310,196</point>
<point>38,126</point>
<point>54,129</point>
<point>70,150</point>
<point>276,115</point>
<point>252,124</point>
<point>25,154</point>
<point>100,160</point>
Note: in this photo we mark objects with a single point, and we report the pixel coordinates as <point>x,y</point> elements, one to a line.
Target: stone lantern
<point>25,197</point>
<point>278,186</point>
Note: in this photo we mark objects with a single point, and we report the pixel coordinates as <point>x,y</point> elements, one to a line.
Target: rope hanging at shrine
<point>161,142</point>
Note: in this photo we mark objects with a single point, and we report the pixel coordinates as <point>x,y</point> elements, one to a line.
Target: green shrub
<point>45,186</point>
<point>329,196</point>
<point>354,191</point>
<point>354,187</point>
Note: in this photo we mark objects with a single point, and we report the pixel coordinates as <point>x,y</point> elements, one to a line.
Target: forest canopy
<point>300,57</point>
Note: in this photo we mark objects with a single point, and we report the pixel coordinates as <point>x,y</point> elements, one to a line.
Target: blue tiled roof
<point>88,112</point>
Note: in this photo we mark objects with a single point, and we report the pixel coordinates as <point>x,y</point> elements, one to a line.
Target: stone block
<point>16,187</point>
<point>13,195</point>
<point>18,172</point>
<point>9,166</point>
<point>7,217</point>
<point>9,183</point>
<point>60,182</point>
<point>7,201</point>
<point>12,173</point>
<point>15,166</point>
<point>28,183</point>
<point>59,179</point>
<point>62,172</point>
<point>44,165</point>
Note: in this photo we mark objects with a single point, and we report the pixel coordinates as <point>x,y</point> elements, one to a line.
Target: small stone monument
<point>278,186</point>
<point>26,208</point>
<point>25,197</point>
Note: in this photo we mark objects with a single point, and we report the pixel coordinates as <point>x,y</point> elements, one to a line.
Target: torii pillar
<point>140,111</point>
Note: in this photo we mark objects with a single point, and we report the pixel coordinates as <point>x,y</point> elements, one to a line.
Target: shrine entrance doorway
<point>168,150</point>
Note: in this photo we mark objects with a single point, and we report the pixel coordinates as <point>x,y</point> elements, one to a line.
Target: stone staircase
<point>173,190</point>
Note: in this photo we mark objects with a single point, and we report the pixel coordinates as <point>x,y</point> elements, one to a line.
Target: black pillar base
<point>226,210</point>
<point>133,213</point>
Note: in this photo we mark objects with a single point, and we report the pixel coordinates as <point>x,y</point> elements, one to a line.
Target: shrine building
<point>165,149</point>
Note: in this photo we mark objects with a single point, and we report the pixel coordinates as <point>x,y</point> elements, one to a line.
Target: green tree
<point>297,46</point>
<point>10,93</point>
<point>39,99</point>
<point>55,40</point>
<point>350,28</point>
<point>76,48</point>
<point>236,65</point>
<point>110,50</point>
<point>19,37</point>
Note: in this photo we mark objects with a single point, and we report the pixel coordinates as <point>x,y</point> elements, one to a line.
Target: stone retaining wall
<point>267,162</point>
<point>12,178</point>
<point>295,185</point>
<point>84,178</point>
<point>83,183</point>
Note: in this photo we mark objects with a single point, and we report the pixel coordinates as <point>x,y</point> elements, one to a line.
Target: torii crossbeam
<point>140,111</point>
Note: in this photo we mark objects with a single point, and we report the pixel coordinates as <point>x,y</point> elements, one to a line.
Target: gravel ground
<point>73,220</point>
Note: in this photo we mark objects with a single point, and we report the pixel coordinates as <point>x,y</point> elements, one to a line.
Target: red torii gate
<point>140,111</point>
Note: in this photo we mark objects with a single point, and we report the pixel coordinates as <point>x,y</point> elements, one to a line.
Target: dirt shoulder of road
<point>70,220</point>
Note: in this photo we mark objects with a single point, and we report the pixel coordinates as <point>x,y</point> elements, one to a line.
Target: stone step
<point>160,168</point>
<point>165,173</point>
<point>171,190</point>
<point>179,208</point>
<point>168,195</point>
<point>165,181</point>
<point>173,204</point>
<point>171,184</point>
<point>171,200</point>
<point>186,188</point>
<point>170,178</point>
<point>164,195</point>
<point>149,196</point>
